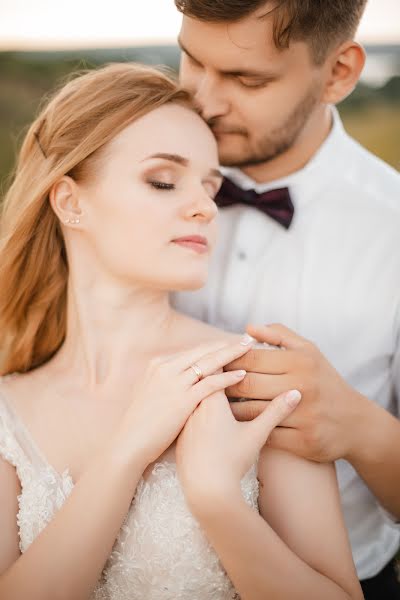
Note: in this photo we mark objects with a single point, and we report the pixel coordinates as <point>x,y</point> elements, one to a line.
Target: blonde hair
<point>81,118</point>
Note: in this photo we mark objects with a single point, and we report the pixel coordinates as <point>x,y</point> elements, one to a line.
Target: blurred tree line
<point>371,115</point>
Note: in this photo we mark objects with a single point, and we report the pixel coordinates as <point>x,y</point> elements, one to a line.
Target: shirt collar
<point>324,161</point>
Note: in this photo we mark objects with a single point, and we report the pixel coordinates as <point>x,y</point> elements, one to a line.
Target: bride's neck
<point>109,328</point>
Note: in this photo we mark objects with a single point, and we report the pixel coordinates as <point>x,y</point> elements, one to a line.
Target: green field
<point>377,127</point>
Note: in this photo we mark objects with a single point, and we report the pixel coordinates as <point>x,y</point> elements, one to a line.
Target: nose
<point>202,207</point>
<point>209,97</point>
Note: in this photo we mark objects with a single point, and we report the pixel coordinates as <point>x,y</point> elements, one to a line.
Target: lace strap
<point>16,446</point>
<point>10,450</point>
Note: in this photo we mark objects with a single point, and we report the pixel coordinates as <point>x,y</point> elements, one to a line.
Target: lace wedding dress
<point>160,553</point>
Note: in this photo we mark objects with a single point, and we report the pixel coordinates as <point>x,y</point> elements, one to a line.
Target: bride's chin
<point>189,285</point>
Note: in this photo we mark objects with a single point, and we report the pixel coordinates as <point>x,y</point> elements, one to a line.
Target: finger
<point>259,386</point>
<point>288,439</point>
<point>249,410</point>
<point>277,411</point>
<point>182,360</point>
<point>213,361</point>
<point>277,335</point>
<point>273,362</point>
<point>214,383</point>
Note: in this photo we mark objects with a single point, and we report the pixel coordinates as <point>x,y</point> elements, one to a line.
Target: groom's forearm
<point>375,455</point>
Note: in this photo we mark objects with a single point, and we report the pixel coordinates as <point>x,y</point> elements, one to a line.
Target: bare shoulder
<point>19,389</point>
<point>198,332</point>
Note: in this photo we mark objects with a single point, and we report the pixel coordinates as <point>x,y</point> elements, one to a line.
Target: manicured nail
<point>247,340</point>
<point>293,398</point>
<point>240,374</point>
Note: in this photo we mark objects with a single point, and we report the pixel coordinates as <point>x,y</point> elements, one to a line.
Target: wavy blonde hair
<point>64,139</point>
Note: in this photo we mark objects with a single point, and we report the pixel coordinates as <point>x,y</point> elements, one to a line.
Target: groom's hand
<point>324,426</point>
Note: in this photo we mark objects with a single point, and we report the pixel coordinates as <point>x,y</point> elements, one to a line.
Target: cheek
<point>137,220</point>
<point>275,100</point>
<point>266,105</point>
<point>118,219</point>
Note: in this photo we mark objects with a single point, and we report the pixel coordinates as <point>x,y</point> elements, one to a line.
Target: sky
<point>42,24</point>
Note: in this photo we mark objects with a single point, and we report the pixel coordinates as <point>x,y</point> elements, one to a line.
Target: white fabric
<point>161,552</point>
<point>333,277</point>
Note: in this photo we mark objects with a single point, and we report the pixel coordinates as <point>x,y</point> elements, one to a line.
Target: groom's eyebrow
<point>235,72</point>
<point>181,160</point>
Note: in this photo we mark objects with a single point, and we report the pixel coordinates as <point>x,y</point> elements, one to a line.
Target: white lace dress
<point>160,553</point>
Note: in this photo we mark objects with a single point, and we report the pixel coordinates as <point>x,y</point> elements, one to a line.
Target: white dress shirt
<point>333,277</point>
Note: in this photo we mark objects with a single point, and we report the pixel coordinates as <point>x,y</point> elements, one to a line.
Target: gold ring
<point>198,372</point>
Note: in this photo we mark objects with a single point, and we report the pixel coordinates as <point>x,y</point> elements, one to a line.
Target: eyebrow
<point>233,73</point>
<point>180,160</point>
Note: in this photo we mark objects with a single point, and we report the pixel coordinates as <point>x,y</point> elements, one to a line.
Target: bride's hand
<point>169,392</point>
<point>214,451</point>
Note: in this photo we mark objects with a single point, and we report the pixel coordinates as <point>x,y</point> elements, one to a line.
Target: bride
<point>123,473</point>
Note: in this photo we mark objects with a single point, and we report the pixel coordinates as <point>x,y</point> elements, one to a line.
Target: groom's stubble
<point>268,141</point>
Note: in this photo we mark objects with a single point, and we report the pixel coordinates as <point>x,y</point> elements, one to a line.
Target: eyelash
<point>160,185</point>
<point>253,85</point>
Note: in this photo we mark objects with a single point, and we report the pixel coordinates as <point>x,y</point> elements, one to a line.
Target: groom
<point>310,237</point>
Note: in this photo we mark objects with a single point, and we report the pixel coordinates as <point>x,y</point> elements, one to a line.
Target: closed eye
<point>253,83</point>
<point>161,185</point>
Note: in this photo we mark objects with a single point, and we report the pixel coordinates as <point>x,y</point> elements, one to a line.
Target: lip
<point>198,243</point>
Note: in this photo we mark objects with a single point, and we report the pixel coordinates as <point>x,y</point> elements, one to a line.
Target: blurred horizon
<point>71,45</point>
<point>382,63</point>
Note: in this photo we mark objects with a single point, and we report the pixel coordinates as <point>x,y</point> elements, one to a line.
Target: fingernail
<point>293,398</point>
<point>240,374</point>
<point>247,340</point>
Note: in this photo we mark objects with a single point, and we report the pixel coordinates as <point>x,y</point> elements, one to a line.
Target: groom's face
<point>257,99</point>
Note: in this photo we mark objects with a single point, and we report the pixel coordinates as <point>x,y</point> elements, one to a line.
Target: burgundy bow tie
<point>275,203</point>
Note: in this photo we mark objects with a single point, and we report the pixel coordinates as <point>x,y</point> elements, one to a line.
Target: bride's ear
<point>64,200</point>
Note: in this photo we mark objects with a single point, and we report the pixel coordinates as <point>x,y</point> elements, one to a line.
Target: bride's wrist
<point>211,499</point>
<point>128,454</point>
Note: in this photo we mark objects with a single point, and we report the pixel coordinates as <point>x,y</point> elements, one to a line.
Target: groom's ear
<point>343,70</point>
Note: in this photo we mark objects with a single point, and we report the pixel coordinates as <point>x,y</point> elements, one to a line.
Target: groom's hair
<point>321,23</point>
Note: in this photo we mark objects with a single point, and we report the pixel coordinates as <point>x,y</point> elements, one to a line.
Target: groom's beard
<point>273,143</point>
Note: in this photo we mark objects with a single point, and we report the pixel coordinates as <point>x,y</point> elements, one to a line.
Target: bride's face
<point>148,213</point>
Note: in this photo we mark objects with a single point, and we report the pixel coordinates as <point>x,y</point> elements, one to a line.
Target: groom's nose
<point>209,97</point>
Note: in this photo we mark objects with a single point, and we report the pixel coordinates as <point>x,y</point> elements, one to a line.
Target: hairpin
<point>39,144</point>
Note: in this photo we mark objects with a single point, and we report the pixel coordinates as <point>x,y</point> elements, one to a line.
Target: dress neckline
<point>28,438</point>
<point>36,450</point>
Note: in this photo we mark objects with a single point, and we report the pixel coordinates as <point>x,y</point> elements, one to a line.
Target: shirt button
<point>242,255</point>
